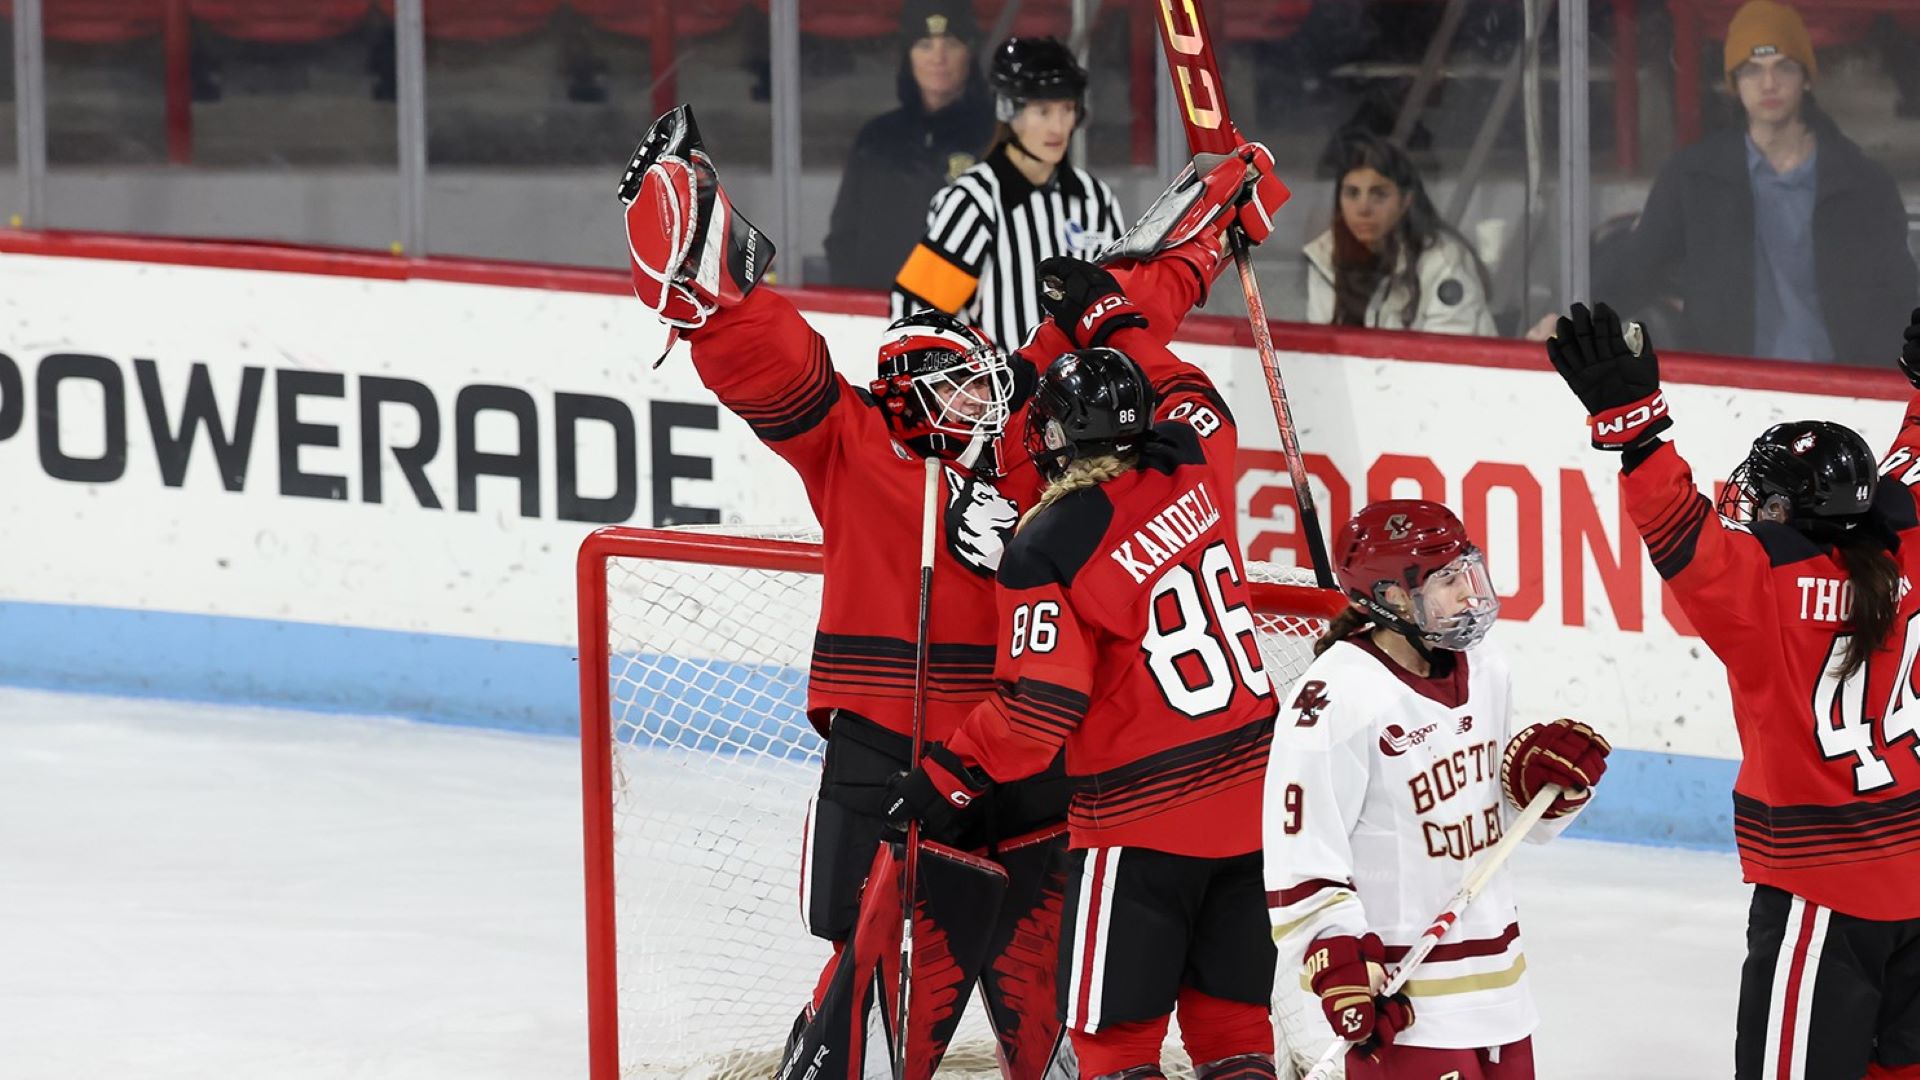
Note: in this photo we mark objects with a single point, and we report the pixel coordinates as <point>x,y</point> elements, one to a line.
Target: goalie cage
<point>698,765</point>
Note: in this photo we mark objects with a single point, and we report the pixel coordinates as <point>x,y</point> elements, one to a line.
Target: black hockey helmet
<point>1824,472</point>
<point>1035,69</point>
<point>941,383</point>
<point>1088,403</point>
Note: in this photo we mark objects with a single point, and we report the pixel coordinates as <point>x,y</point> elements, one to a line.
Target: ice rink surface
<point>211,892</point>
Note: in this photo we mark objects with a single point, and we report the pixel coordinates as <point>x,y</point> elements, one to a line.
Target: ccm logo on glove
<point>1623,425</point>
<point>1106,304</point>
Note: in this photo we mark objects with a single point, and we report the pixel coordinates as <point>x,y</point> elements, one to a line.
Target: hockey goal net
<point>698,765</point>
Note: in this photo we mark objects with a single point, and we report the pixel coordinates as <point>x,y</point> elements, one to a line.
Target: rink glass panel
<point>699,770</point>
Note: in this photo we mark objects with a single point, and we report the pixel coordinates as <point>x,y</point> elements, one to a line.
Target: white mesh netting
<point>713,766</point>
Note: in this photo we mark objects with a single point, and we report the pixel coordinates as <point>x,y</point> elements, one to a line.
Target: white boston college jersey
<point>1382,791</point>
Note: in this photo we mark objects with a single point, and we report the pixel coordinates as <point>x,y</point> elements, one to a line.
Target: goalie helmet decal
<point>941,384</point>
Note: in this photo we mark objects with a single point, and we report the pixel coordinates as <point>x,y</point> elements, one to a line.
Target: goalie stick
<point>1477,879</point>
<point>1203,107</point>
<point>922,645</point>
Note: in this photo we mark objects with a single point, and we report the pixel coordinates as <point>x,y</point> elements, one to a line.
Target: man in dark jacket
<point>1783,240</point>
<point>901,158</point>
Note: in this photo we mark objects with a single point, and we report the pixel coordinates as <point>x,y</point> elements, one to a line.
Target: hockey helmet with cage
<point>1823,474</point>
<point>1420,547</point>
<point>1088,403</point>
<point>942,384</point>
<point>1035,69</point>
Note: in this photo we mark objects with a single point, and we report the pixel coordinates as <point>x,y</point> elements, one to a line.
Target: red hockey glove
<point>1565,752</point>
<point>1910,352</point>
<point>1344,971</point>
<point>936,793</point>
<point>1085,301</point>
<point>689,252</point>
<point>1264,194</point>
<point>1618,381</point>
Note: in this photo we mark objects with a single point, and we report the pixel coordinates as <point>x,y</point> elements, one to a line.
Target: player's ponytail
<point>1875,577</point>
<point>1344,625</point>
<point>1082,473</point>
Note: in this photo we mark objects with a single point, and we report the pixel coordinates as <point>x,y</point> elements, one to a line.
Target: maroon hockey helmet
<point>1421,547</point>
<point>942,384</point>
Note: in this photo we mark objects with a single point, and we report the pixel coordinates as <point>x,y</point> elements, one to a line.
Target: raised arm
<point>1718,570</point>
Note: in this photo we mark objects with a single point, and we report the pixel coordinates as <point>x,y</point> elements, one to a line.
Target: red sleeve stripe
<point>799,407</point>
<point>1279,898</point>
<point>1671,549</point>
<point>1461,950</point>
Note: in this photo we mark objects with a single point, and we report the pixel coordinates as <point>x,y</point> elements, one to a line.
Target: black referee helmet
<point>1035,69</point>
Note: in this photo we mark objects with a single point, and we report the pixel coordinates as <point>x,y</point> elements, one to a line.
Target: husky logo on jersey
<point>1310,701</point>
<point>979,522</point>
<point>1395,740</point>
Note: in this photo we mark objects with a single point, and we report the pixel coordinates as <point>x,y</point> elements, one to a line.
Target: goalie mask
<point>942,384</point>
<point>1087,404</point>
<point>1820,473</point>
<point>1418,547</point>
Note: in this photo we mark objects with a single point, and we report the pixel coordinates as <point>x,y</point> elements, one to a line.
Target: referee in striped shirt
<point>988,231</point>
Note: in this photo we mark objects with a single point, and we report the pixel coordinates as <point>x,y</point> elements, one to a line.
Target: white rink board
<point>387,605</point>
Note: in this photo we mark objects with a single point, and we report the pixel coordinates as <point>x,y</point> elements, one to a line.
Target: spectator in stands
<point>1782,241</point>
<point>1390,261</point>
<point>901,158</point>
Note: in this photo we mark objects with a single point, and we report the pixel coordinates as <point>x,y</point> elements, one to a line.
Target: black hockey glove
<point>1085,301</point>
<point>936,794</point>
<point>1618,382</point>
<point>1910,352</point>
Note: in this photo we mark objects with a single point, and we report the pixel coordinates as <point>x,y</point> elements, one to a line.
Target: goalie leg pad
<point>1018,981</point>
<point>852,1029</point>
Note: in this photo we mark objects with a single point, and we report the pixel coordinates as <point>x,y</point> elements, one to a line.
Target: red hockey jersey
<point>1827,803</point>
<point>772,370</point>
<point>1126,633</point>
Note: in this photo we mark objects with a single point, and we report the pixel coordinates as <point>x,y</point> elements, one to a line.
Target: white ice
<point>217,892</point>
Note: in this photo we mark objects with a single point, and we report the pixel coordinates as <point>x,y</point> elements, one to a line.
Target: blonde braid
<point>1082,473</point>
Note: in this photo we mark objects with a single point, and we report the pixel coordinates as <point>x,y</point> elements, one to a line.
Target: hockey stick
<point>922,647</point>
<point>1203,106</point>
<point>1477,879</point>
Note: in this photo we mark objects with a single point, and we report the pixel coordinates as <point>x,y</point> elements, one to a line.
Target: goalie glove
<point>1613,371</point>
<point>1345,971</point>
<point>689,251</point>
<point>1565,752</point>
<point>1212,194</point>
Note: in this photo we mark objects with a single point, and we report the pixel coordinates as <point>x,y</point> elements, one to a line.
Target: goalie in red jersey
<point>1127,635</point>
<point>942,390</point>
<point>1802,585</point>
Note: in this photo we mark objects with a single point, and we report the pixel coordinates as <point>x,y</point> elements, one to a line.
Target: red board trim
<point>1693,369</point>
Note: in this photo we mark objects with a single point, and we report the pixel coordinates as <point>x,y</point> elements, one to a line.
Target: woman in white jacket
<point>1389,261</point>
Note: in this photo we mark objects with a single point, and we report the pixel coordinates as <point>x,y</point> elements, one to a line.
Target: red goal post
<point>697,770</point>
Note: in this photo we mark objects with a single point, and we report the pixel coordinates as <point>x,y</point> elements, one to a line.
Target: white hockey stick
<point>1477,879</point>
